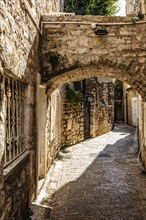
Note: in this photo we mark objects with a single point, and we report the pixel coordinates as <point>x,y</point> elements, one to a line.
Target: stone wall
<point>93,116</point>
<point>143,6</point>
<point>1,191</point>
<point>72,121</point>
<point>75,45</point>
<point>64,125</point>
<point>130,7</point>
<point>73,124</point>
<point>17,188</point>
<point>53,127</point>
<point>142,130</point>
<point>19,60</point>
<point>81,54</point>
<point>131,94</point>
<point>1,145</point>
<point>19,35</point>
<point>99,92</point>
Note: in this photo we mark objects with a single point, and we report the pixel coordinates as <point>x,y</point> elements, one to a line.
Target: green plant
<point>140,15</point>
<point>73,96</point>
<point>92,7</point>
<point>118,85</point>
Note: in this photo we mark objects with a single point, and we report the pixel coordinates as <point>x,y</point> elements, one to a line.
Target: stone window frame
<point>14,102</point>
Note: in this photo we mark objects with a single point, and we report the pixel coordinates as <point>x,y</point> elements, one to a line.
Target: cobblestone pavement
<point>98,179</point>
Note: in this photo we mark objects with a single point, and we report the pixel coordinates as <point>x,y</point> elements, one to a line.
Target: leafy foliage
<point>140,15</point>
<point>118,89</point>
<point>73,96</point>
<point>92,7</point>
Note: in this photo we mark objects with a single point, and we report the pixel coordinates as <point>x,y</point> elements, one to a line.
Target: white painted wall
<point>135,111</point>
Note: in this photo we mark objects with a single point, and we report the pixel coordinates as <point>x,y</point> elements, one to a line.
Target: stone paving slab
<point>98,179</point>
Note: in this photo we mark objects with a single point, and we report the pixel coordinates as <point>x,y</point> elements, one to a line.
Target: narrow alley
<point>70,73</point>
<point>98,179</point>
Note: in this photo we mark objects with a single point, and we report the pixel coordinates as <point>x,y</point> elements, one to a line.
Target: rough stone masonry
<point>70,43</point>
<point>120,54</point>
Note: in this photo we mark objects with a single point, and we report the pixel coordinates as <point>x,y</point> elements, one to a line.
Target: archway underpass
<point>71,43</point>
<point>121,150</point>
<point>57,115</point>
<point>35,62</point>
<point>72,51</point>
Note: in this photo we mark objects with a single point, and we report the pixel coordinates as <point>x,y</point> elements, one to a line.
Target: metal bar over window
<point>14,119</point>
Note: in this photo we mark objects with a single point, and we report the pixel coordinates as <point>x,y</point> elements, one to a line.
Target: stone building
<point>31,107</point>
<point>19,66</point>
<point>93,116</point>
<point>134,6</point>
<point>63,122</point>
<point>131,105</point>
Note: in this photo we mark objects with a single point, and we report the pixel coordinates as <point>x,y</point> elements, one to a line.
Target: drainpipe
<point>93,25</point>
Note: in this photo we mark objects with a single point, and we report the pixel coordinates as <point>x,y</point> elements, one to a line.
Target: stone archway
<point>71,43</point>
<point>71,50</point>
<point>102,70</point>
<point>93,71</point>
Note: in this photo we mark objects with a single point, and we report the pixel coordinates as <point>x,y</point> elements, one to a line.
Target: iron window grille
<point>14,119</point>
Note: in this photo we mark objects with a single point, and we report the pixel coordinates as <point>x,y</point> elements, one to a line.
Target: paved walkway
<point>98,179</point>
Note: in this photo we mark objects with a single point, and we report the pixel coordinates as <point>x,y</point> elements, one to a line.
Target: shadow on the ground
<point>111,188</point>
<point>39,212</point>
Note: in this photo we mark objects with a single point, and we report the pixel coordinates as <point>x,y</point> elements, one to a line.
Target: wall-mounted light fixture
<point>101,29</point>
<point>101,32</point>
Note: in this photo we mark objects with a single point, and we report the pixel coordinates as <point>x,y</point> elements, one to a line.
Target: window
<point>14,119</point>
